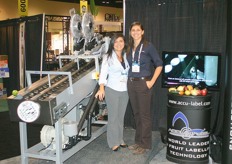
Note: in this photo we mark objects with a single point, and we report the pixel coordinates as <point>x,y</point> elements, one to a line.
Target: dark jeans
<point>140,98</point>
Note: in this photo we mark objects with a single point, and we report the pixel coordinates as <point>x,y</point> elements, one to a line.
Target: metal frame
<point>28,75</point>
<point>65,20</point>
<point>59,156</point>
<point>76,58</point>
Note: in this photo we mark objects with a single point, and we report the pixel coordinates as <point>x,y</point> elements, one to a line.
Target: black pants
<point>140,98</point>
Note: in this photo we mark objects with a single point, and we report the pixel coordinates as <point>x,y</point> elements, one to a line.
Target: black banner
<point>227,124</point>
<point>188,128</point>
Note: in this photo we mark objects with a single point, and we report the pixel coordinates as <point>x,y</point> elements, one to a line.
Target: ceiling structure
<point>108,3</point>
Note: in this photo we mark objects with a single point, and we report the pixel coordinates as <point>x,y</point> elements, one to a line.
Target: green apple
<point>15,92</point>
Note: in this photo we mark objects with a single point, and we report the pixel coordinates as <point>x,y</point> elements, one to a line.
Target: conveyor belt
<point>53,94</point>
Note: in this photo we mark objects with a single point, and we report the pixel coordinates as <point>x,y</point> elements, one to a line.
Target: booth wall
<point>177,25</point>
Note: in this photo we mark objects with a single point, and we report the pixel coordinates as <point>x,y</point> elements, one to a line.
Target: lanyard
<point>133,54</point>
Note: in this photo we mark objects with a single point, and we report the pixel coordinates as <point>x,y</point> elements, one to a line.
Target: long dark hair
<point>112,41</point>
<point>131,40</point>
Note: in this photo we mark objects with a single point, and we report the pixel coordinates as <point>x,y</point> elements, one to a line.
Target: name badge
<point>135,67</point>
<point>123,76</point>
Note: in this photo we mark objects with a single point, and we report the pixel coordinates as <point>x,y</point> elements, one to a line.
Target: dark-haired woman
<point>113,87</point>
<point>145,68</point>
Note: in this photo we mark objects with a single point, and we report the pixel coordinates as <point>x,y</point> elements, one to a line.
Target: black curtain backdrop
<point>171,25</point>
<point>177,25</point>
<point>9,45</point>
<point>227,121</point>
<point>33,42</point>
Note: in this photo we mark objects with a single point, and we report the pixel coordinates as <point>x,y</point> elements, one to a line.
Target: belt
<point>139,78</point>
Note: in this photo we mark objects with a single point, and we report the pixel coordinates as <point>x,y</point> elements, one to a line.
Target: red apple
<point>198,92</point>
<point>204,92</point>
<point>185,88</point>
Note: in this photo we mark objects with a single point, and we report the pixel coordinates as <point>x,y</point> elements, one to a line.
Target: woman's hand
<point>155,76</point>
<point>149,84</point>
<point>101,93</point>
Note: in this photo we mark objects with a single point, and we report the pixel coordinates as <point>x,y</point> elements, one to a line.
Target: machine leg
<point>97,64</point>
<point>23,142</point>
<point>60,63</point>
<point>58,130</point>
<point>78,65</point>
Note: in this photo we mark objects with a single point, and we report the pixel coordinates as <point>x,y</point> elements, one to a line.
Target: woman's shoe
<point>139,150</point>
<point>115,148</point>
<point>124,145</point>
<point>133,147</point>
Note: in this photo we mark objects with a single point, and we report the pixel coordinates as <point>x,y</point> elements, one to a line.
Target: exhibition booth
<point>196,51</point>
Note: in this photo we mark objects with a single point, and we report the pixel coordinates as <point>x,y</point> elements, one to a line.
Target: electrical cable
<point>47,146</point>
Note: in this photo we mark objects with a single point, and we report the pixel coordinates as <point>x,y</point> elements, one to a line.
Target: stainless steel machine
<point>63,101</point>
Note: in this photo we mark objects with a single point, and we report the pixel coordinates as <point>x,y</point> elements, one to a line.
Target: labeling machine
<point>63,101</point>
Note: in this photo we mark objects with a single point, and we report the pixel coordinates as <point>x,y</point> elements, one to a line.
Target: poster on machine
<point>83,6</point>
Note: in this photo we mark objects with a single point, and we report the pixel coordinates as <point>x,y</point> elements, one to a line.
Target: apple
<point>190,87</point>
<point>194,92</point>
<point>204,92</point>
<point>187,92</point>
<point>196,88</point>
<point>198,92</point>
<point>180,88</point>
<point>185,88</point>
<point>181,93</point>
<point>15,92</point>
